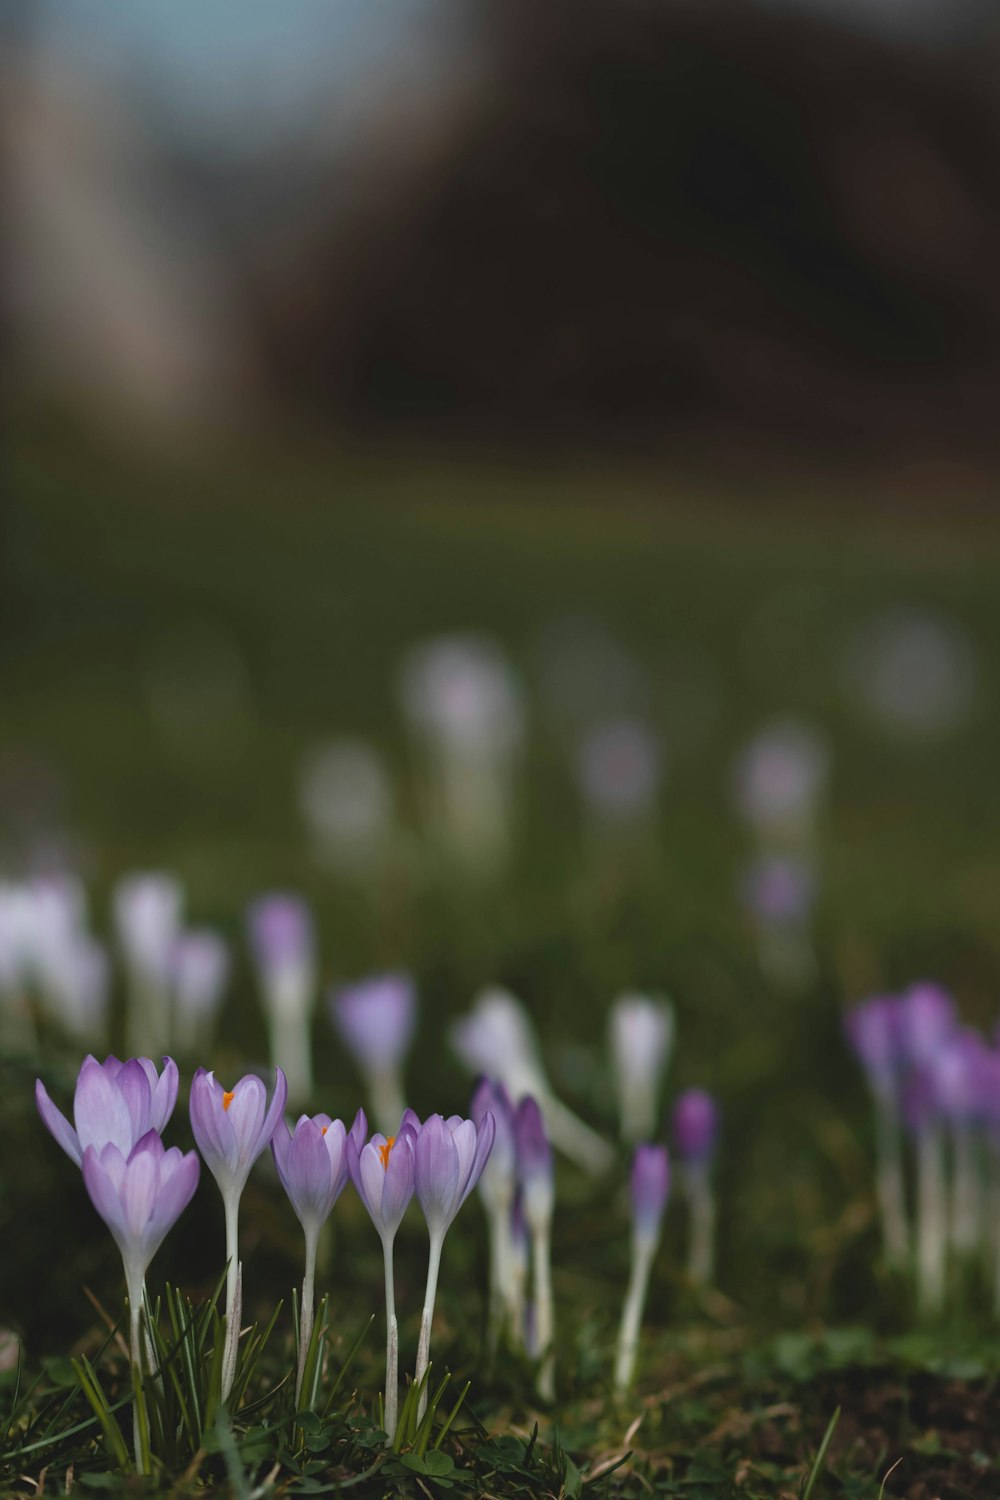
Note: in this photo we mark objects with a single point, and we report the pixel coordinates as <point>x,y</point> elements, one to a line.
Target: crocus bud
<point>695,1128</point>
<point>650,1187</point>
<point>873,1030</point>
<point>449,1156</point>
<point>147,910</point>
<point>619,768</point>
<point>140,1197</point>
<point>201,972</point>
<point>534,1162</point>
<point>383,1174</point>
<point>283,944</point>
<point>115,1104</point>
<point>927,1019</point>
<point>376,1019</point>
<point>641,1033</point>
<point>312,1167</point>
<point>496,1184</point>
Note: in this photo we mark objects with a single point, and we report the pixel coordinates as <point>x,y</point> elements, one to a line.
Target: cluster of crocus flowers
<point>935,1084</point>
<point>51,965</point>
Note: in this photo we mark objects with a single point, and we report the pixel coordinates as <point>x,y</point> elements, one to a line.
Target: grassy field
<point>175,637</point>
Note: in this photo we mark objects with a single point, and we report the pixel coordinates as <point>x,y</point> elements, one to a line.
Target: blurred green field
<point>313,576</point>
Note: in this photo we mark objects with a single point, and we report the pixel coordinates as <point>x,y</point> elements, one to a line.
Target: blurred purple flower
<point>649,1186</point>
<point>927,1019</point>
<point>282,936</point>
<point>780,775</point>
<point>779,890</point>
<point>376,1019</point>
<point>201,970</point>
<point>114,1103</point>
<point>695,1128</point>
<point>491,1098</point>
<point>873,1030</point>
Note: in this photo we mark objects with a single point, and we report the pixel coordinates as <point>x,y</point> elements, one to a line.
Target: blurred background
<point>522,476</point>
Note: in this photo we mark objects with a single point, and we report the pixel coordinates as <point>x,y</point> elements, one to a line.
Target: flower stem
<point>889,1183</point>
<point>701,1245</point>
<point>391,1346</point>
<point>643,1251</point>
<point>306,1311</point>
<point>931,1218</point>
<point>541,1254</point>
<point>232,1207</point>
<point>430,1293</point>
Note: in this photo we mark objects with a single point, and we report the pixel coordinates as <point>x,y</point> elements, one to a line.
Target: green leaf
<point>438,1464</point>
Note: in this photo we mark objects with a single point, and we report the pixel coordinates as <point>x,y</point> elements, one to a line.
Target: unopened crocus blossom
<point>115,1103</point>
<point>139,1195</point>
<point>537,1183</point>
<point>497,1038</point>
<point>449,1156</point>
<point>147,913</point>
<point>641,1033</point>
<point>383,1174</point>
<point>649,1189</point>
<point>200,973</point>
<point>376,1019</point>
<point>312,1167</point>
<point>283,943</point>
<point>874,1032</point>
<point>497,1186</point>
<point>231,1129</point>
<point>695,1133</point>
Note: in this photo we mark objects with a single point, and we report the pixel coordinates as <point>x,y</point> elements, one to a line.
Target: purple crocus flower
<point>927,1018</point>
<point>312,1167</point>
<point>376,1019</point>
<point>537,1182</point>
<point>497,1185</point>
<point>200,974</point>
<point>449,1156</point>
<point>140,1196</point>
<point>873,1030</point>
<point>383,1173</point>
<point>695,1128</point>
<point>231,1129</point>
<point>115,1103</point>
<point>649,1186</point>
<point>283,942</point>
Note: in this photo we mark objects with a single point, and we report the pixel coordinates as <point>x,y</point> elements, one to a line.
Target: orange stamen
<point>227,1098</point>
<point>323,1129</point>
<point>384,1151</point>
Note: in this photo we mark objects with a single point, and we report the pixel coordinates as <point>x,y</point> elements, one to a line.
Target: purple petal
<point>437,1172</point>
<point>100,1110</point>
<point>164,1095</point>
<point>57,1124</point>
<point>133,1085</point>
<point>484,1145</point>
<point>398,1182</point>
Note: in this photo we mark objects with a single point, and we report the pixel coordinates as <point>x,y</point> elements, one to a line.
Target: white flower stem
<point>931,1218</point>
<point>701,1229</point>
<point>135,1359</point>
<point>386,1090</point>
<point>966,1190</point>
<point>889,1183</point>
<point>995,1223</point>
<point>391,1346</point>
<point>232,1207</point>
<point>643,1251</point>
<point>541,1255</point>
<point>306,1311</point>
<point>427,1317</point>
<point>231,1350</point>
<point>291,1051</point>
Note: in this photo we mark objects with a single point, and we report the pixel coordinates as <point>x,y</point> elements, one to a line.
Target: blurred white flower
<point>640,1034</point>
<point>914,671</point>
<point>201,967</point>
<point>619,768</point>
<point>346,799</point>
<point>147,914</point>
<point>780,777</point>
